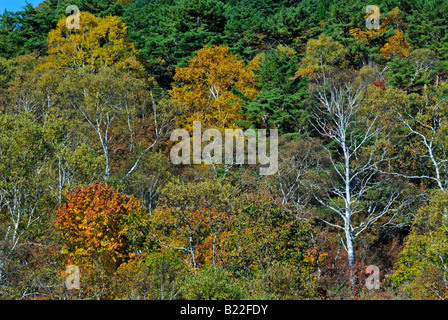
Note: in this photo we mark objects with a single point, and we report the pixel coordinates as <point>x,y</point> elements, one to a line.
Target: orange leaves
<point>94,221</point>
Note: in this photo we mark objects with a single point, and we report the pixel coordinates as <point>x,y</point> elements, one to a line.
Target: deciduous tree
<point>99,42</point>
<point>97,223</point>
<point>205,87</point>
<point>355,136</point>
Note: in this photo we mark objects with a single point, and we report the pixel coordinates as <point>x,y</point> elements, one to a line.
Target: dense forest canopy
<point>87,117</point>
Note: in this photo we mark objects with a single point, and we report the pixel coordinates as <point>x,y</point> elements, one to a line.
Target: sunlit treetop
<point>98,42</point>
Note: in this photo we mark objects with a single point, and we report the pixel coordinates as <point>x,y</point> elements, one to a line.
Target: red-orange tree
<point>96,222</point>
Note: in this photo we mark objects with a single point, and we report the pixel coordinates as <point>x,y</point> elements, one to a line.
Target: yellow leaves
<point>395,19</point>
<point>366,35</point>
<point>370,34</point>
<point>192,214</point>
<point>325,50</point>
<point>99,42</point>
<point>206,84</point>
<point>395,45</point>
<point>286,51</point>
<point>321,53</point>
<point>308,67</point>
<point>421,259</point>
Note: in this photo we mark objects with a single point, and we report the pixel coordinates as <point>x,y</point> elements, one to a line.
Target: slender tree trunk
<point>214,250</point>
<point>105,146</point>
<point>2,262</point>
<point>193,258</point>
<point>350,252</point>
<point>348,214</point>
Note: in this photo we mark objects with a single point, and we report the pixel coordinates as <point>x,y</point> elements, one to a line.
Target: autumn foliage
<point>99,42</point>
<point>86,120</point>
<point>206,85</point>
<point>94,222</point>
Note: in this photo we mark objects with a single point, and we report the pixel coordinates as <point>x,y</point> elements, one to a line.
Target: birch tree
<point>124,116</point>
<point>353,137</point>
<point>24,161</point>
<point>296,160</point>
<point>191,218</point>
<point>426,125</point>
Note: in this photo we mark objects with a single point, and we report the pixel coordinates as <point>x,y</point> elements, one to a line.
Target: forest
<point>92,205</point>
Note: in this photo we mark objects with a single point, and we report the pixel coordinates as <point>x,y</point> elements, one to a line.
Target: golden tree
<point>206,85</point>
<point>97,43</point>
<point>395,45</point>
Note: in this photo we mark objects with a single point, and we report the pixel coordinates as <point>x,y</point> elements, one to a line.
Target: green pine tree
<point>281,101</point>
